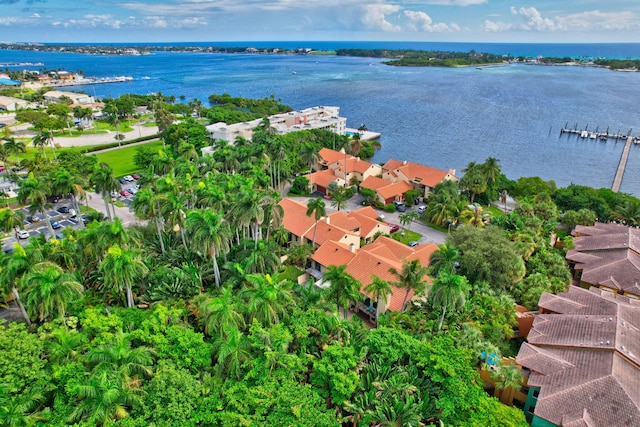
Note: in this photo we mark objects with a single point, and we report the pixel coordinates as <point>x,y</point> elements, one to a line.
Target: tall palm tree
<point>266,299</point>
<point>48,289</point>
<point>105,182</point>
<point>379,289</point>
<point>410,278</point>
<point>407,218</point>
<point>221,313</point>
<point>17,147</point>
<point>446,258</point>
<point>210,234</point>
<point>63,182</point>
<point>36,191</point>
<point>146,205</point>
<point>355,144</point>
<point>316,207</point>
<point>120,268</point>
<point>13,268</point>
<point>174,213</point>
<point>309,154</point>
<point>344,289</point>
<point>491,170</point>
<point>11,220</point>
<point>42,139</point>
<point>449,291</point>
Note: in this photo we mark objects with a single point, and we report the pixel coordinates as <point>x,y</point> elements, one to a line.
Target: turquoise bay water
<point>441,117</point>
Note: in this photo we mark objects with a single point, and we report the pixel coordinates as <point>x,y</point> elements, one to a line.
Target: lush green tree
<point>210,234</point>
<point>316,207</point>
<point>343,288</point>
<point>488,255</point>
<point>407,218</point>
<point>221,313</point>
<point>48,290</point>
<point>120,269</point>
<point>266,299</point>
<point>231,350</point>
<point>627,213</point>
<point>36,191</point>
<point>445,259</point>
<point>335,373</point>
<point>379,290</point>
<point>473,180</point>
<point>410,278</point>
<point>449,291</point>
<point>105,183</point>
<point>14,146</point>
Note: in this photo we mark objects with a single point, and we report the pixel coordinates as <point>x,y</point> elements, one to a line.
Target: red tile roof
<point>331,156</point>
<point>344,221</point>
<point>323,177</point>
<point>396,189</point>
<point>414,171</point>
<point>333,253</point>
<point>326,232</point>
<point>608,255</point>
<point>585,357</point>
<point>295,219</point>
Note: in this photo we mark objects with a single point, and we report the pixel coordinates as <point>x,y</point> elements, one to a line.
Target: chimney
<point>452,172</point>
<point>326,219</point>
<point>404,162</point>
<point>352,247</point>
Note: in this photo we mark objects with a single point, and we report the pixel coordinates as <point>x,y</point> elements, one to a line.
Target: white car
<point>23,234</point>
<point>129,178</point>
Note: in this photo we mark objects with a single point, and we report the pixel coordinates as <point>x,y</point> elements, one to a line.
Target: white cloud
<point>420,21</point>
<point>455,2</point>
<point>530,19</point>
<point>375,17</point>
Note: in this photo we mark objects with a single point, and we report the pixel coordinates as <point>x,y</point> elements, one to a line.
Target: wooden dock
<point>622,165</point>
<point>596,135</point>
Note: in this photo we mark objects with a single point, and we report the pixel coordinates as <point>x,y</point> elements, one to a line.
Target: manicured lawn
<point>289,272</point>
<point>408,236</point>
<point>494,211</point>
<point>121,160</point>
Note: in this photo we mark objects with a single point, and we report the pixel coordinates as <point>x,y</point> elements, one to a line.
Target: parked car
<point>413,244</point>
<point>55,225</point>
<point>394,227</point>
<point>86,219</point>
<point>63,209</point>
<point>23,234</point>
<point>124,193</point>
<point>32,218</point>
<point>135,176</point>
<point>122,180</point>
<point>2,168</point>
<point>132,190</point>
<point>73,219</point>
<point>129,178</point>
<point>400,207</point>
<point>421,209</point>
<point>59,236</point>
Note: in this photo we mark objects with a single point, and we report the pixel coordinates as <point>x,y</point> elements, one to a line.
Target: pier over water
<point>622,165</point>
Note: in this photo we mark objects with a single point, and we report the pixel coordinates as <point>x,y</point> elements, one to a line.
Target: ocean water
<point>441,117</point>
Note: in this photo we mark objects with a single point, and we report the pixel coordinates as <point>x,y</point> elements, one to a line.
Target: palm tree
<point>14,267</point>
<point>339,197</point>
<point>119,355</point>
<point>263,259</point>
<point>105,182</point>
<point>490,170</point>
<point>309,154</point>
<point>42,139</point>
<point>104,397</point>
<point>221,313</point>
<point>508,379</point>
<point>11,220</point>
<point>48,289</point>
<point>449,291</point>
<point>36,192</point>
<point>379,289</point>
<point>232,351</point>
<point>407,218</point>
<point>628,213</point>
<point>120,268</point>
<point>146,205</point>
<point>17,147</point>
<point>209,234</point>
<point>343,289</point>
<point>266,299</point>
<point>317,208</point>
<point>410,278</point>
<point>172,209</point>
<point>63,182</point>
<point>446,258</point>
<point>473,180</point>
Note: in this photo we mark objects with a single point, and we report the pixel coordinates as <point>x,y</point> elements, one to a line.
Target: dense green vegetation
<point>192,320</point>
<point>421,58</point>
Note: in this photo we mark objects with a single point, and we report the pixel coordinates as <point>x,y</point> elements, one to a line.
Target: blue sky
<point>532,21</point>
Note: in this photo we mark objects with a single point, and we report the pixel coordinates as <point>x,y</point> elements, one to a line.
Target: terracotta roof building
<point>420,177</point>
<point>607,256</point>
<point>386,191</point>
<point>583,358</point>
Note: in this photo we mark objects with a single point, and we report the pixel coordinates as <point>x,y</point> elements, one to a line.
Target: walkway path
<point>621,167</point>
<point>105,138</point>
